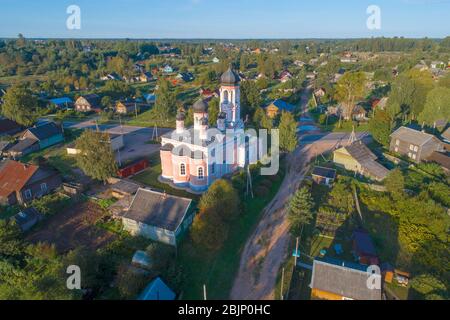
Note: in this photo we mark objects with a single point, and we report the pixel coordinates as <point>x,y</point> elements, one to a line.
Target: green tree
<point>349,89</point>
<point>429,287</point>
<point>213,111</point>
<point>288,132</point>
<point>223,199</point>
<point>209,230</point>
<point>341,198</point>
<point>300,210</point>
<point>437,106</point>
<point>250,98</point>
<point>20,105</point>
<point>395,183</point>
<point>95,155</point>
<point>166,103</point>
<point>380,126</point>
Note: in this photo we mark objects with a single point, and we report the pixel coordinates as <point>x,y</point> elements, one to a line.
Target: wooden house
<point>87,103</point>
<point>416,145</point>
<point>358,158</point>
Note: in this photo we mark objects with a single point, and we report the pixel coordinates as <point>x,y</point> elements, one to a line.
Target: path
<point>267,247</point>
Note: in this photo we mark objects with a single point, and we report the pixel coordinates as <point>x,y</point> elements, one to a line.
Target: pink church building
<point>193,158</point>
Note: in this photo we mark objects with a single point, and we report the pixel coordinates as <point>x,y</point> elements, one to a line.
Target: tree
<point>380,126</point>
<point>262,120</point>
<point>300,210</point>
<point>395,183</point>
<point>165,105</point>
<point>409,93</point>
<point>221,198</point>
<point>429,287</point>
<point>349,89</point>
<point>10,244</point>
<point>437,106</point>
<point>95,155</point>
<point>288,132</point>
<point>213,111</point>
<point>20,105</point>
<point>208,230</point>
<point>341,198</point>
<point>250,98</point>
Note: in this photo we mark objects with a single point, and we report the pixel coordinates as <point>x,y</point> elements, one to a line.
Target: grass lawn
<point>401,292</point>
<point>218,270</point>
<point>148,119</point>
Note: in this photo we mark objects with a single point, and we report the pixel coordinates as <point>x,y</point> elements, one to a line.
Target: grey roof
<point>27,215</point>
<point>361,153</point>
<point>190,136</point>
<point>181,116</point>
<point>184,151</point>
<point>343,278</point>
<point>125,186</point>
<point>157,209</point>
<point>324,172</point>
<point>230,77</point>
<point>200,106</point>
<point>23,145</point>
<point>412,136</point>
<point>45,131</point>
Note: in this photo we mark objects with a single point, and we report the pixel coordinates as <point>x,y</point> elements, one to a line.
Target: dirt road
<point>267,247</point>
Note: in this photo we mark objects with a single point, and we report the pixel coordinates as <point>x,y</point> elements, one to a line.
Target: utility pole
<point>121,133</point>
<point>282,283</point>
<point>204,292</point>
<point>296,253</point>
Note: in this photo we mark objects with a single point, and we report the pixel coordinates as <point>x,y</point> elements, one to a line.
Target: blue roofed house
<point>46,135</point>
<point>157,290</point>
<point>277,107</point>
<point>61,103</point>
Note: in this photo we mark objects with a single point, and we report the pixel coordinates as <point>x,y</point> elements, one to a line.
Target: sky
<point>226,19</point>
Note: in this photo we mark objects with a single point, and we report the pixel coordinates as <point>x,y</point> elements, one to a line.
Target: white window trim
<point>203,173</point>
<point>182,164</point>
<point>28,194</point>
<point>44,187</point>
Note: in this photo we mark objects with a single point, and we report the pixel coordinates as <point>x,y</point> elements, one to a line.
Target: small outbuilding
<point>324,176</point>
<point>157,290</point>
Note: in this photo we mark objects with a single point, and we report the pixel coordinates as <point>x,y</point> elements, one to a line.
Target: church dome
<point>230,77</point>
<point>200,106</point>
<point>181,116</point>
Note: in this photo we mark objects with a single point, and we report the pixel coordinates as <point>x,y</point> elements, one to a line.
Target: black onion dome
<point>200,106</point>
<point>181,116</point>
<point>230,77</point>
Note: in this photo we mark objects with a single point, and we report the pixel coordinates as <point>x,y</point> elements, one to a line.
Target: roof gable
<point>44,131</point>
<point>157,209</point>
<point>14,176</point>
<point>343,278</point>
<point>412,136</point>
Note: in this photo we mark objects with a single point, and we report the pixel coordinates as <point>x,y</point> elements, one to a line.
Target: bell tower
<point>230,97</point>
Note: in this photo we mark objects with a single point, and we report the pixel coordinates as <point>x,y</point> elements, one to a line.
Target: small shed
<point>27,218</point>
<point>324,176</point>
<point>141,260</point>
<point>157,290</point>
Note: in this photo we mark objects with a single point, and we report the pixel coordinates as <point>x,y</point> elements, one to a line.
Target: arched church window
<point>225,96</point>
<point>201,174</point>
<point>182,169</point>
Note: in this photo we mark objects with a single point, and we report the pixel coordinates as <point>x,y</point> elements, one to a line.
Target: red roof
<point>14,175</point>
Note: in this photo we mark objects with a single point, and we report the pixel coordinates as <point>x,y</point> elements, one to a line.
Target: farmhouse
<point>87,103</point>
<point>37,138</point>
<point>277,107</point>
<point>21,183</point>
<point>416,145</point>
<point>358,158</point>
<point>334,279</point>
<point>158,216</point>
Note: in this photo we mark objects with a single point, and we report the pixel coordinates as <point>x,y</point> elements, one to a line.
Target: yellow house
<point>358,158</point>
<point>277,107</point>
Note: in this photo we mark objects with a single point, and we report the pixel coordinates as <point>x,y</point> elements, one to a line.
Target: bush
<point>262,191</point>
